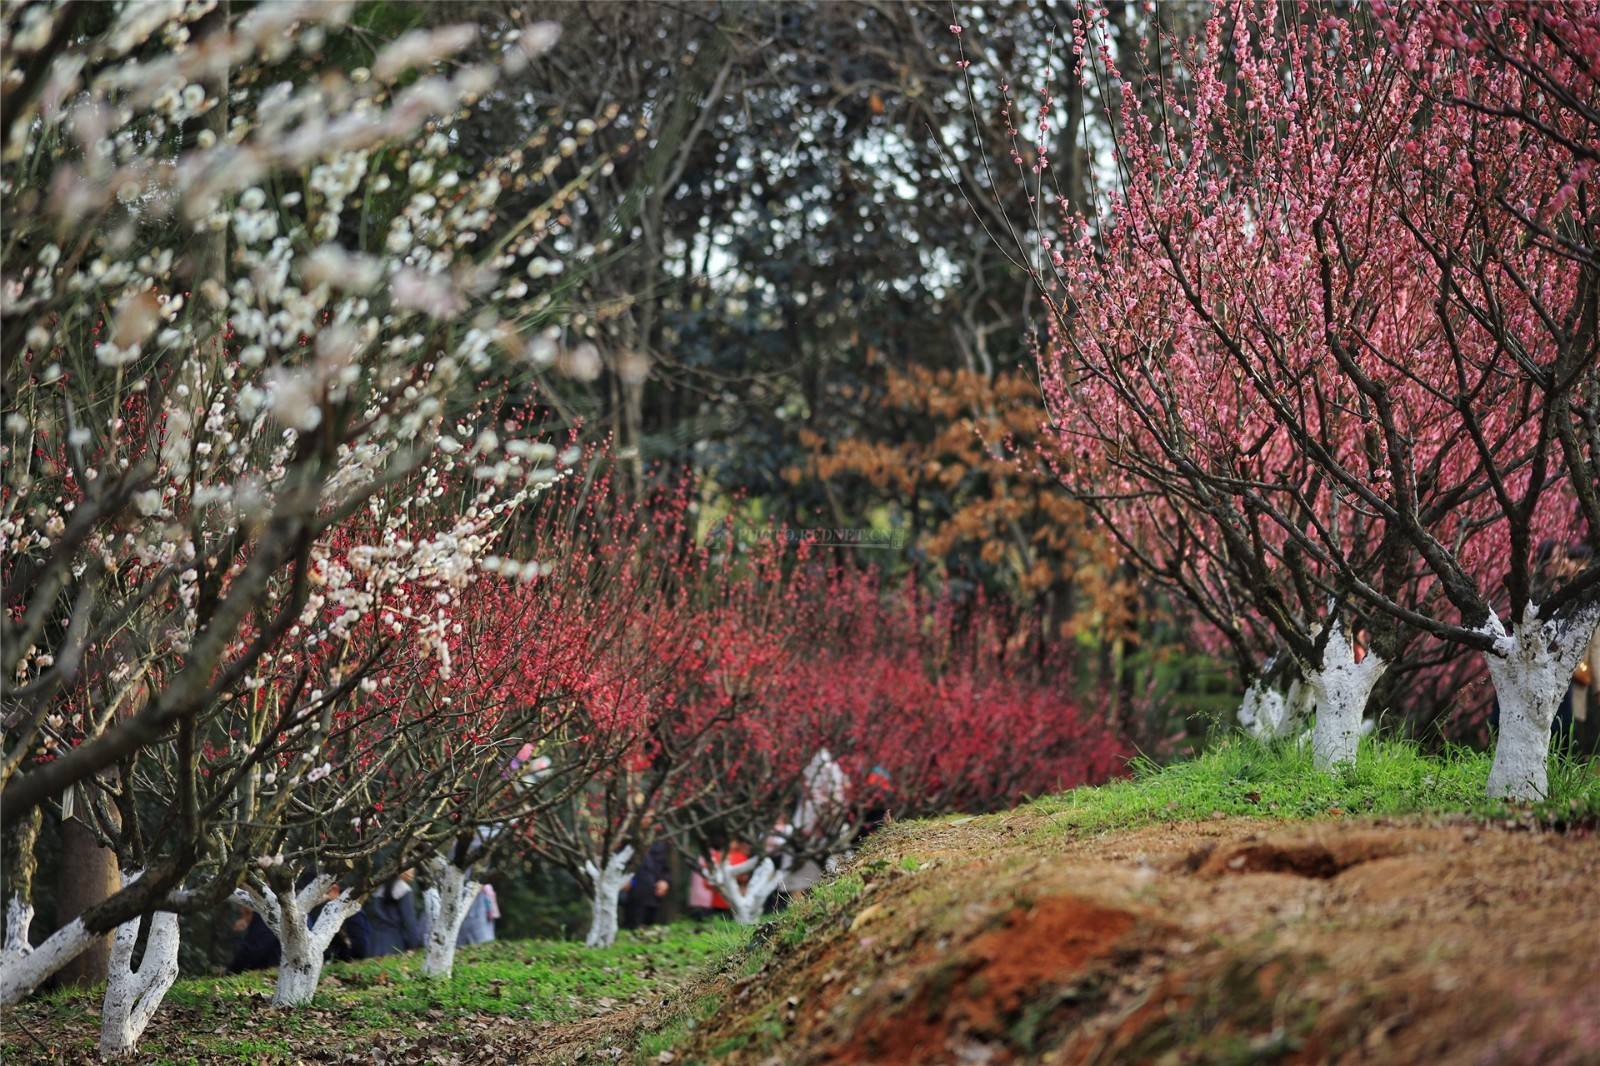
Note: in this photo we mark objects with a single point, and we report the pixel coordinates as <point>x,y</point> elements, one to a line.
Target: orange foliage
<point>973,441</point>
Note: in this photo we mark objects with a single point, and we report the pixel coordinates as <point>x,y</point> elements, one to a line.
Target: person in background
<point>648,887</point>
<point>1583,700</point>
<point>737,853</point>
<point>699,897</point>
<point>352,941</point>
<point>822,815</point>
<point>478,926</point>
<point>778,845</point>
<point>392,918</point>
<point>494,907</point>
<point>257,949</point>
<point>1577,721</point>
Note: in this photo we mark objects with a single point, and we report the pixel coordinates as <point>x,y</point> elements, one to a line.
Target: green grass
<point>676,1031</point>
<point>383,1001</point>
<point>506,991</point>
<point>1243,776</point>
<point>548,979</point>
<point>822,902</point>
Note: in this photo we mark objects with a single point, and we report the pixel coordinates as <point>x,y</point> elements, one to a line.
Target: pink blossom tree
<point>1329,352</point>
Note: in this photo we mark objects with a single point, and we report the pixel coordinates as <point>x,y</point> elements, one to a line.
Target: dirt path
<point>1231,940</point>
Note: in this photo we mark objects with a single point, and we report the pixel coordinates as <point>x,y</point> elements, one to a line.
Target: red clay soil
<point>1035,947</point>
<point>1233,940</point>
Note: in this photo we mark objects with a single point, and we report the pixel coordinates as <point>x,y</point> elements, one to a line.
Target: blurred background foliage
<point>806,293</point>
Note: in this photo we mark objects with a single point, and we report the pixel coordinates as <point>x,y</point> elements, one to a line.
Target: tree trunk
<point>670,910</point>
<point>22,967</point>
<point>301,945</point>
<point>1269,712</point>
<point>1531,668</point>
<point>299,965</point>
<point>88,876</point>
<point>607,886</point>
<point>1341,687</point>
<point>132,995</point>
<point>447,903</point>
<point>746,901</point>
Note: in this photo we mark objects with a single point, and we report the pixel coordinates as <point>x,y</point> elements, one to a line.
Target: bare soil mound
<point>1001,940</point>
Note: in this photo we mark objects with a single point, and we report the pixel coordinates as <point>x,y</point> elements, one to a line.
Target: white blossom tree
<point>247,299</point>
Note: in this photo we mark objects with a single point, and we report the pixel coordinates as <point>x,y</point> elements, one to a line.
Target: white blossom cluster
<point>262,324</point>
<point>253,291</point>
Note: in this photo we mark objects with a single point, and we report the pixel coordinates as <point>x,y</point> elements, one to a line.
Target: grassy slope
<point>382,1002</point>
<point>533,984</point>
<point>1237,778</point>
<point>1241,776</point>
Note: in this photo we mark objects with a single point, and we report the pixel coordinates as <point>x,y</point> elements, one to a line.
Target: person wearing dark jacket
<point>258,949</point>
<point>392,922</point>
<point>649,887</point>
<point>352,941</point>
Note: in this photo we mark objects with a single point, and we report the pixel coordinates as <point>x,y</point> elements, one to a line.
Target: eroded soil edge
<point>1008,939</point>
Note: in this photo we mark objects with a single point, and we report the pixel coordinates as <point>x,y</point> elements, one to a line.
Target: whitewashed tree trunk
<point>823,796</point>
<point>607,886</point>
<point>19,923</point>
<point>1340,688</point>
<point>447,903</point>
<point>24,967</point>
<point>1263,710</point>
<point>1270,713</point>
<point>1531,668</point>
<point>299,967</point>
<point>746,901</point>
<point>301,946</point>
<point>132,996</point>
<point>430,910</point>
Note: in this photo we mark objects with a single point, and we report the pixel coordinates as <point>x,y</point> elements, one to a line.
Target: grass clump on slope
<point>1242,776</point>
